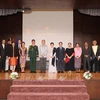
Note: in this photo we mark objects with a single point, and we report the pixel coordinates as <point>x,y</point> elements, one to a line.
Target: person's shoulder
<point>30,46</point>
<point>46,46</point>
<point>36,46</point>
<point>55,48</point>
<point>70,48</point>
<point>63,48</point>
<point>99,46</point>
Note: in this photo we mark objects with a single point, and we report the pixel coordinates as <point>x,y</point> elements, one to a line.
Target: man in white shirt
<point>43,50</point>
<point>95,53</point>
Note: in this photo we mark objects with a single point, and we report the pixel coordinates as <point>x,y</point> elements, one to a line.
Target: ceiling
<point>50,4</point>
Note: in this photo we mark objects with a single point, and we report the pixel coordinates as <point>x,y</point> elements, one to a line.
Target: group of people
<point>13,57</point>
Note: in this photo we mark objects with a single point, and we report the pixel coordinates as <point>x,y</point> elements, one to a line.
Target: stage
<point>93,85</point>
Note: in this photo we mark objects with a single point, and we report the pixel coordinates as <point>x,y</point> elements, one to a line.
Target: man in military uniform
<point>33,54</point>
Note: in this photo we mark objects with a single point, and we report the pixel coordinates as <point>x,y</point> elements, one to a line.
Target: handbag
<point>67,60</point>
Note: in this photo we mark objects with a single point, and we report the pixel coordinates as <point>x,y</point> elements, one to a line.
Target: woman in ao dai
<point>23,53</point>
<point>52,58</point>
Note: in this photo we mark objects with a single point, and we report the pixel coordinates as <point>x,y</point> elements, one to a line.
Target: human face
<point>43,42</point>
<point>86,44</point>
<point>69,45</point>
<point>77,45</point>
<point>19,41</point>
<point>52,45</point>
<point>60,44</point>
<point>3,41</point>
<point>9,42</point>
<point>33,42</point>
<point>23,44</point>
<point>94,42</point>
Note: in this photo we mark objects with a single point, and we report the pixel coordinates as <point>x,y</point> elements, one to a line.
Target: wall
<point>86,28</point>
<point>4,88</point>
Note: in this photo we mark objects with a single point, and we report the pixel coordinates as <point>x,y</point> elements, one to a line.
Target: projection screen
<point>53,26</point>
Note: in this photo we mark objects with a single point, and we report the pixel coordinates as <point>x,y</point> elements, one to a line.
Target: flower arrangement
<point>14,75</point>
<point>87,75</point>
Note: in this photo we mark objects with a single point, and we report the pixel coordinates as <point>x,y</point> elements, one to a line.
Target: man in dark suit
<point>60,55</point>
<point>2,55</point>
<point>18,65</point>
<point>86,57</point>
<point>8,45</point>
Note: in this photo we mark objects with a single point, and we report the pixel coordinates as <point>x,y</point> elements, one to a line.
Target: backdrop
<point>53,26</point>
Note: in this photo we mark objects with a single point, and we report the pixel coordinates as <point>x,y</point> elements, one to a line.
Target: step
<point>49,88</point>
<point>48,82</point>
<point>48,96</point>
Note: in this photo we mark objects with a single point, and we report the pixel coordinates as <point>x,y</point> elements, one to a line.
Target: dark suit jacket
<point>3,52</point>
<point>53,59</point>
<point>60,54</point>
<point>8,47</point>
<point>86,51</point>
<point>10,51</point>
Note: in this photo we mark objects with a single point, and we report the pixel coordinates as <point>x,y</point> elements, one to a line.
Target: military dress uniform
<point>33,53</point>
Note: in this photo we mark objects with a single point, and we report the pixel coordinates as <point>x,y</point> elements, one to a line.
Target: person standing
<point>60,55</point>
<point>95,54</point>
<point>13,56</point>
<point>18,65</point>
<point>86,57</point>
<point>23,53</point>
<point>69,53</point>
<point>19,44</point>
<point>52,58</point>
<point>43,51</point>
<point>7,59</point>
<point>78,53</point>
<point>2,55</point>
<point>33,54</point>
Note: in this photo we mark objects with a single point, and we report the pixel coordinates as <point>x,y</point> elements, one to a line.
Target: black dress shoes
<point>62,71</point>
<point>58,71</point>
<point>34,71</point>
<point>31,71</point>
<point>6,71</point>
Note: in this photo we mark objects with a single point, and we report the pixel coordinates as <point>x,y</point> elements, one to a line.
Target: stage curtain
<point>92,12</point>
<point>5,12</point>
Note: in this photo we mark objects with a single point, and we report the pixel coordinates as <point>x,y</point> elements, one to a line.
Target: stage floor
<point>39,76</point>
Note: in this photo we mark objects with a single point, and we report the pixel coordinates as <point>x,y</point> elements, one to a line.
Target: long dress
<point>78,53</point>
<point>52,61</point>
<point>70,64</point>
<point>23,52</point>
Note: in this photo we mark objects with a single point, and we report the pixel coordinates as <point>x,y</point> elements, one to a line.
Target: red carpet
<point>48,90</point>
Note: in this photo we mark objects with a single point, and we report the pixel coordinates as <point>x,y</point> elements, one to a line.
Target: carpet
<point>48,90</point>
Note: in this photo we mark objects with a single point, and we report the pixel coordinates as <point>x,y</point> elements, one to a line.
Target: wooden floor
<point>39,76</point>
